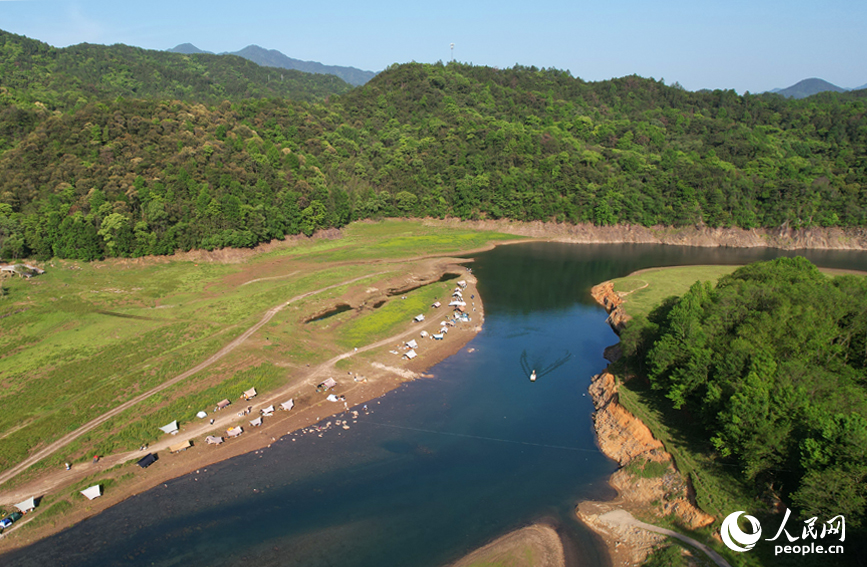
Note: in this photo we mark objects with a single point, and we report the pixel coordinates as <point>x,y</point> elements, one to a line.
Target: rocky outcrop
<point>626,439</point>
<point>622,436</point>
<point>605,295</point>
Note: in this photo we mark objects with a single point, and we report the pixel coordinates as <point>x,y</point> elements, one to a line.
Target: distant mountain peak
<point>188,49</point>
<point>273,58</point>
<point>808,87</point>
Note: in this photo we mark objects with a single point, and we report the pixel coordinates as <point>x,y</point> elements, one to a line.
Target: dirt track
<point>70,437</point>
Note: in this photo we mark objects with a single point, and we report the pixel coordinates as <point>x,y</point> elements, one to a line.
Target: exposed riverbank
<point>584,233</point>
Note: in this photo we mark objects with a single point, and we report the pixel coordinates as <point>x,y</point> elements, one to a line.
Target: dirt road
<point>70,437</point>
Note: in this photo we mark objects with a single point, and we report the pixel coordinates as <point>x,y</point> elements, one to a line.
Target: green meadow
<point>85,337</point>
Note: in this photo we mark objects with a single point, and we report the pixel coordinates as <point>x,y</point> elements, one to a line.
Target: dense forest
<point>117,151</point>
<point>771,365</point>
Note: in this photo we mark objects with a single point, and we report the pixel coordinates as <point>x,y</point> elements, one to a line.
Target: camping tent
<point>212,440</point>
<point>410,354</point>
<point>288,405</point>
<point>412,344</point>
<point>147,460</point>
<point>268,411</point>
<point>332,398</point>
<point>224,404</point>
<point>234,431</point>
<point>170,427</point>
<point>256,422</point>
<point>251,393</point>
<point>94,491</point>
<point>418,318</point>
<point>436,304</point>
<point>202,414</point>
<point>178,447</point>
<point>27,505</point>
<point>463,284</point>
<point>330,383</point>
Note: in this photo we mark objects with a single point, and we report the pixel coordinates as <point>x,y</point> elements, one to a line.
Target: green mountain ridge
<point>59,79</point>
<point>127,177</point>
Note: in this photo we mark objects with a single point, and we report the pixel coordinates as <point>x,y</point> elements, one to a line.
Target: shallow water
<point>433,469</point>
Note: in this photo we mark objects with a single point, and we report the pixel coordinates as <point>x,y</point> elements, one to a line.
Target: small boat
<point>533,376</point>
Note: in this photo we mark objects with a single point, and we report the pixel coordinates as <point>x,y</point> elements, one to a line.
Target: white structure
<point>288,405</point>
<point>94,491</point>
<point>170,427</point>
<point>27,505</point>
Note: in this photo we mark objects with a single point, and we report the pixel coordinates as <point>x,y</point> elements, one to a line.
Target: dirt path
<point>624,518</point>
<point>70,437</point>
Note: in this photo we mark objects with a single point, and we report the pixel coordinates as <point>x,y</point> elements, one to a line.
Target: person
<point>96,458</point>
<point>68,466</point>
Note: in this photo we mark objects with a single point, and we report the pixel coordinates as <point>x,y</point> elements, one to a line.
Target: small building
<point>170,427</point>
<point>94,491</point>
<point>147,460</point>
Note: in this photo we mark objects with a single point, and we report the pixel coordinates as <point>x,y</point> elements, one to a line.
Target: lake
<point>433,469</point>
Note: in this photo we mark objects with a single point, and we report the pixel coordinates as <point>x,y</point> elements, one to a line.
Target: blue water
<point>435,468</point>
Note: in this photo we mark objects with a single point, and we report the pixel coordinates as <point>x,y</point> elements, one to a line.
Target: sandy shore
<point>377,374</point>
<point>538,545</point>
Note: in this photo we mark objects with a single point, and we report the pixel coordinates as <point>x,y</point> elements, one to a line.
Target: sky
<point>745,45</point>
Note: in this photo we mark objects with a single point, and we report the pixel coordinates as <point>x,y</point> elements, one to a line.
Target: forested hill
<point>132,177</point>
<point>35,72</point>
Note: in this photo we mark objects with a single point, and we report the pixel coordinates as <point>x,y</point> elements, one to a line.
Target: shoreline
<point>380,379</point>
<point>624,438</point>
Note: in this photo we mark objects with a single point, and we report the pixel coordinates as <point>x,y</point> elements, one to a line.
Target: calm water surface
<point>437,467</point>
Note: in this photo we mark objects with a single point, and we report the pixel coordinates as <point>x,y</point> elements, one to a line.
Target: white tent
<point>170,427</point>
<point>234,431</point>
<point>256,422</point>
<point>418,318</point>
<point>212,440</point>
<point>27,505</point>
<point>456,302</point>
<point>412,344</point>
<point>268,411</point>
<point>332,398</point>
<point>288,405</point>
<point>202,415</point>
<point>411,354</point>
<point>251,393</point>
<point>463,284</point>
<point>94,491</point>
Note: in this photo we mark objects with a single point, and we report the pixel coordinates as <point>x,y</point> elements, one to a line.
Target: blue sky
<point>745,45</point>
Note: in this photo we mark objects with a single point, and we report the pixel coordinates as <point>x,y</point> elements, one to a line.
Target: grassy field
<point>83,338</point>
<point>648,288</point>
